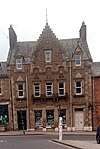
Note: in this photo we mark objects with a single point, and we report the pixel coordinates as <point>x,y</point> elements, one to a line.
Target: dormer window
<point>19,63</point>
<point>48,56</point>
<point>78,60</point>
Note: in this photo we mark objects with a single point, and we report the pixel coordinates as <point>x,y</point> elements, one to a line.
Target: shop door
<point>22,120</point>
<point>79,120</point>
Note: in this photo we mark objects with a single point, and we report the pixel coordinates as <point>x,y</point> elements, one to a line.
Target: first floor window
<point>78,87</point>
<point>61,88</point>
<point>48,89</point>
<point>20,90</point>
<point>0,87</point>
<point>36,89</point>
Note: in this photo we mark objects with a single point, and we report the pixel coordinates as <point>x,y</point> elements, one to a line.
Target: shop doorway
<point>22,123</point>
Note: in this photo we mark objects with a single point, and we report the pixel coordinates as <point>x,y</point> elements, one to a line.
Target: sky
<point>65,17</point>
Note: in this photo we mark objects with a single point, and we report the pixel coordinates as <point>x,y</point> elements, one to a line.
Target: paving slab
<point>79,144</point>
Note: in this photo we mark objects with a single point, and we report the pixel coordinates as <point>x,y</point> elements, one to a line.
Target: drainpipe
<point>12,102</point>
<point>71,95</point>
<point>93,107</point>
<point>27,106</point>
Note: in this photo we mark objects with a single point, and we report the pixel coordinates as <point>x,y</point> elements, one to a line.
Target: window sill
<point>23,98</point>
<point>81,95</point>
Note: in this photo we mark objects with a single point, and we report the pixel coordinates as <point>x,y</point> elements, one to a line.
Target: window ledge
<point>23,98</point>
<point>81,95</point>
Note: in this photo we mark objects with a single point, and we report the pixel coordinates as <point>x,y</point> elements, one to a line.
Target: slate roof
<point>47,36</point>
<point>3,69</point>
<point>25,48</point>
<point>96,69</point>
<point>71,44</point>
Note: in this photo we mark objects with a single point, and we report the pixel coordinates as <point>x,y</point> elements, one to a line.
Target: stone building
<point>96,94</point>
<point>46,79</point>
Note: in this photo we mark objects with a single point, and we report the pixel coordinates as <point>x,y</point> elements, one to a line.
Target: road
<point>37,141</point>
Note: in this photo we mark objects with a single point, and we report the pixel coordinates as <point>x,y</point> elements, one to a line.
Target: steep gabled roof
<point>71,44</point>
<point>25,49</point>
<point>46,40</point>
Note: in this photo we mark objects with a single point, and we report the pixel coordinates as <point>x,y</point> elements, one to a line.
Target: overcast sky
<point>65,17</point>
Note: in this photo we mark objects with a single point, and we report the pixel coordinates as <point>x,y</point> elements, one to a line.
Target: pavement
<point>72,143</point>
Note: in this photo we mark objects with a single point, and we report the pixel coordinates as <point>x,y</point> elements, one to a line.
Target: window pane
<point>38,118</point>
<point>61,85</point>
<point>78,87</point>
<point>48,56</point>
<point>78,84</point>
<point>20,87</point>
<point>78,59</point>
<point>19,63</point>
<point>49,117</point>
<point>20,93</point>
<point>37,89</point>
<point>20,90</point>
<point>4,113</point>
<point>48,89</point>
<point>61,89</point>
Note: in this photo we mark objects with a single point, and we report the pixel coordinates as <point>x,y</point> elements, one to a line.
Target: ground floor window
<point>62,113</point>
<point>38,117</point>
<point>49,117</point>
<point>4,114</point>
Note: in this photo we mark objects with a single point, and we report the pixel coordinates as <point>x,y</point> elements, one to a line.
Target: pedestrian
<point>98,134</point>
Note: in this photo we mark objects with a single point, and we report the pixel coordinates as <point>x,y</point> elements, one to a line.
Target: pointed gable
<point>47,38</point>
<point>18,54</point>
<point>20,79</point>
<point>78,75</point>
<point>78,49</point>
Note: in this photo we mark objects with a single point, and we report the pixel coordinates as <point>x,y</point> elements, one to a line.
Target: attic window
<point>48,56</point>
<point>78,60</point>
<point>19,63</point>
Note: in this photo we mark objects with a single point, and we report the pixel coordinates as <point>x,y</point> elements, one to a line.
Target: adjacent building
<point>45,79</point>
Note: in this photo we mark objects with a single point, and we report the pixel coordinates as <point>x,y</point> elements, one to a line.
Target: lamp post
<point>60,123</point>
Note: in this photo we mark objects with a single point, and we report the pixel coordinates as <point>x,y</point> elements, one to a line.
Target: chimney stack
<point>12,37</point>
<point>83,35</point>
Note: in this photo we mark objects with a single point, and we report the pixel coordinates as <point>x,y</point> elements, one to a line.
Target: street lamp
<point>60,122</point>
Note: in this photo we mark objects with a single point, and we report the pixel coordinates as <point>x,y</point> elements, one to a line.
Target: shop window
<point>49,117</point>
<point>62,113</point>
<point>4,114</point>
<point>38,118</point>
